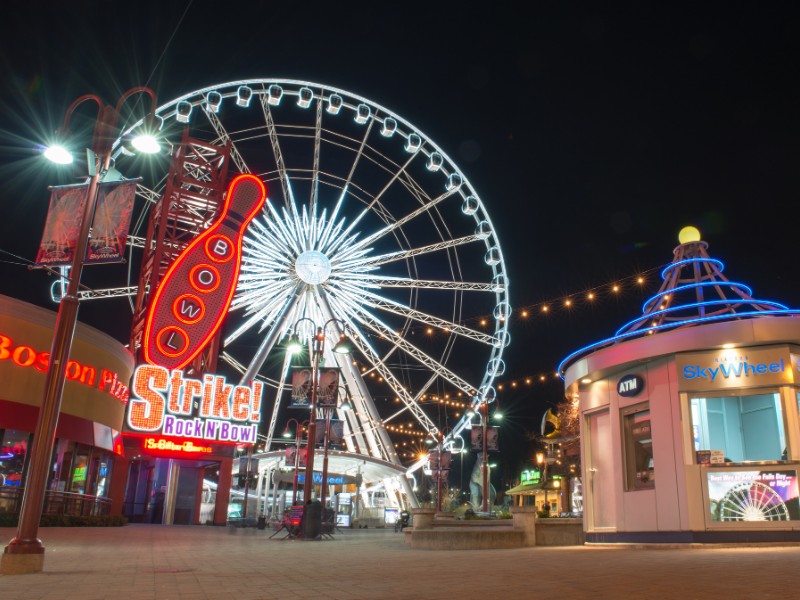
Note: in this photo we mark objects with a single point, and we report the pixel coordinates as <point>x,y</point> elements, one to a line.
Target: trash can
<point>312,520</point>
<point>262,522</point>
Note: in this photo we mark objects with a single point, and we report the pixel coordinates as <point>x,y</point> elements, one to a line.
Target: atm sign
<point>630,385</point>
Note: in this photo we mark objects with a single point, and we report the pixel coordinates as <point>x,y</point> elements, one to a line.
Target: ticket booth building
<point>690,421</point>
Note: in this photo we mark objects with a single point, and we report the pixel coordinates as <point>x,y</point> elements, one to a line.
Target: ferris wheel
<point>369,229</point>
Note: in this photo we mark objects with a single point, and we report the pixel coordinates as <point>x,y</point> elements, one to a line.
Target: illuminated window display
<point>744,428</point>
<point>13,452</point>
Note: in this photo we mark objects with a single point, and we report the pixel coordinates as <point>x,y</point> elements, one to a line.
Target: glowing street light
<point>343,346</point>
<point>25,552</point>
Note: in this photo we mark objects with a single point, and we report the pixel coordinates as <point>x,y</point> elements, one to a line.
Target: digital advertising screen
<point>753,496</point>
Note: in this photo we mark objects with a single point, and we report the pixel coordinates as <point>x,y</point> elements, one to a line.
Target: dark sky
<point>592,134</point>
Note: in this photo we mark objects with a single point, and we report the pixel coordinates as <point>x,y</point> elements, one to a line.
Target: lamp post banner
<point>328,392</point>
<point>62,226</point>
<point>491,439</point>
<point>476,439</point>
<point>291,453</point>
<point>112,220</point>
<point>302,380</point>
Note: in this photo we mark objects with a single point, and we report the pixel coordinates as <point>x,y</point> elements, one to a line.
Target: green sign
<point>531,476</point>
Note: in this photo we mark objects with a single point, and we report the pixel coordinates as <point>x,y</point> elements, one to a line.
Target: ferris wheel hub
<point>313,267</point>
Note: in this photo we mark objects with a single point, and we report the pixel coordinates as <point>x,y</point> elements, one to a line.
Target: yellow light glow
<point>689,234</point>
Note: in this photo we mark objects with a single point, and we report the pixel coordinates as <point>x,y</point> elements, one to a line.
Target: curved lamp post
<point>343,346</point>
<point>25,552</point>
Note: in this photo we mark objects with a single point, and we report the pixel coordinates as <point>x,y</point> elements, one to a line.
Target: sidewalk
<point>140,562</point>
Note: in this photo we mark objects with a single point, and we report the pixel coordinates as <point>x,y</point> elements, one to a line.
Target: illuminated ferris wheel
<point>369,229</point>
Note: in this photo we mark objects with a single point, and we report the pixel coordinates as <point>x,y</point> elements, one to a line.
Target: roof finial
<point>689,234</point>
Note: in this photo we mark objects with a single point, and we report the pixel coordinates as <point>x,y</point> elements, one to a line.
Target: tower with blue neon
<point>690,412</point>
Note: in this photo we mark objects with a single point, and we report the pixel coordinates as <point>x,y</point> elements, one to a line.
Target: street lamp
<point>343,346</point>
<point>298,436</point>
<point>25,552</point>
<point>542,462</point>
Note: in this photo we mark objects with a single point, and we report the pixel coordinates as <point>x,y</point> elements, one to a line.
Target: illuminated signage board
<point>530,477</point>
<point>162,402</point>
<point>630,385</point>
<point>152,444</point>
<point>317,479</point>
<point>28,357</point>
<point>193,298</point>
<point>744,367</point>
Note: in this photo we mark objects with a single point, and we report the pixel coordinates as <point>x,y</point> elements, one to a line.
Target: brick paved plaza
<point>140,562</point>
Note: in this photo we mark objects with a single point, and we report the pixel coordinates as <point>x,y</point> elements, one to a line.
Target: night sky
<point>593,135</point>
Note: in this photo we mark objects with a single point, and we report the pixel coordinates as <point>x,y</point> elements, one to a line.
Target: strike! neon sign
<point>163,402</point>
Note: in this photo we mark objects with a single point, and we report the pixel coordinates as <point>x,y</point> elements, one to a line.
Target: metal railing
<point>56,503</point>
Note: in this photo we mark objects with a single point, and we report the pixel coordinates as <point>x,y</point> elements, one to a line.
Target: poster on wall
<point>753,496</point>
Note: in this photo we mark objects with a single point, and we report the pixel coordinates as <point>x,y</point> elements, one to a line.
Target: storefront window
<point>741,428</point>
<point>639,470</point>
<point>79,472</point>
<point>13,451</point>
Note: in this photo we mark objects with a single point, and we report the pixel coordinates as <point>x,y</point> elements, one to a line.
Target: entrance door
<point>600,471</point>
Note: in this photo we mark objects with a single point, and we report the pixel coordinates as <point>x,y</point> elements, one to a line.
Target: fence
<point>56,503</point>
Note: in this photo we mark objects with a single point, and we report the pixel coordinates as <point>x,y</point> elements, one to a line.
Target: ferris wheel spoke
<point>425,208</point>
<point>278,320</point>
<point>276,147</point>
<point>447,326</point>
<point>265,316</point>
<point>412,252</point>
<point>423,284</point>
<point>375,324</point>
<point>315,166</point>
<point>223,136</point>
<point>379,441</point>
<point>379,302</point>
<point>279,230</point>
<point>334,226</point>
<point>380,367</point>
<point>375,202</point>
